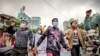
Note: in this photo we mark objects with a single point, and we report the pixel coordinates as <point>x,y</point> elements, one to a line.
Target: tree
<point>81,25</point>
<point>34,30</point>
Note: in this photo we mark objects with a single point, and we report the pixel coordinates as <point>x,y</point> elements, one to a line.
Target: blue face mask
<point>55,24</point>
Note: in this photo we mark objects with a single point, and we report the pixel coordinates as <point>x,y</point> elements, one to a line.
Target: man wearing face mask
<point>21,40</point>
<point>54,39</point>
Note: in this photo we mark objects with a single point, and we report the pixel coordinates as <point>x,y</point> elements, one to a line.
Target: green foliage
<point>81,25</point>
<point>17,21</point>
<point>34,30</point>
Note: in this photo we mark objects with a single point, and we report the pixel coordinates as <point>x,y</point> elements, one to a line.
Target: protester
<point>96,23</point>
<point>87,21</point>
<point>8,39</point>
<point>88,44</point>
<point>63,51</point>
<point>1,26</point>
<point>21,40</point>
<point>92,43</point>
<point>12,28</point>
<point>54,38</point>
<point>76,38</point>
<point>3,40</point>
<point>42,48</point>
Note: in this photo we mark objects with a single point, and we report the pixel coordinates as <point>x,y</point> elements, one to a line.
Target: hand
<point>35,50</point>
<point>68,48</point>
<point>29,48</point>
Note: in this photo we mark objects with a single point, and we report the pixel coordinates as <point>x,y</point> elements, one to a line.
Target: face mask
<point>55,24</point>
<point>22,25</point>
<point>39,31</point>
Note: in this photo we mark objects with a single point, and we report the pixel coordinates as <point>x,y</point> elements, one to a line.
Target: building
<point>22,15</point>
<point>66,25</point>
<point>34,23</point>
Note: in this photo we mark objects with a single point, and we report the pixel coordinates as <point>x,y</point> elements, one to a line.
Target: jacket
<point>21,38</point>
<point>81,35</point>
<point>54,38</point>
<point>87,23</point>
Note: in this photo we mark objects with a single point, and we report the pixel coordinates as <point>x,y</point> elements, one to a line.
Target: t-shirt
<point>75,38</point>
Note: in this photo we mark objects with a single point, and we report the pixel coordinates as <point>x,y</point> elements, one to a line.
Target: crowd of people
<point>52,40</point>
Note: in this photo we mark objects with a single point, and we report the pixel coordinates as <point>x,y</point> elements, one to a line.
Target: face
<point>39,30</point>
<point>94,37</point>
<point>86,38</point>
<point>55,23</point>
<point>55,20</point>
<point>4,33</point>
<point>88,14</point>
<point>74,24</point>
<point>12,24</point>
<point>23,25</point>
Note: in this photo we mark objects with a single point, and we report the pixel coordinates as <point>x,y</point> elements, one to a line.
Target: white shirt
<point>75,38</point>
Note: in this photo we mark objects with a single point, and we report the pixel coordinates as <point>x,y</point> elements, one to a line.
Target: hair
<point>40,30</point>
<point>3,32</point>
<point>89,11</point>
<point>54,19</point>
<point>72,22</point>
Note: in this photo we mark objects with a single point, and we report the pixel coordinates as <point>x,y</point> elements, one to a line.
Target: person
<point>12,28</point>
<point>8,39</point>
<point>95,41</point>
<point>96,23</point>
<point>75,38</point>
<point>63,51</point>
<point>21,40</point>
<point>42,48</point>
<point>91,43</point>
<point>87,21</point>
<point>3,40</point>
<point>1,26</point>
<point>54,38</point>
<point>43,28</point>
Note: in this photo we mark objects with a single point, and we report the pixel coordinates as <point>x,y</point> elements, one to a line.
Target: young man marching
<point>54,38</point>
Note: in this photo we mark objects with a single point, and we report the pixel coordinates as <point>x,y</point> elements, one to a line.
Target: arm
<point>42,38</point>
<point>31,38</point>
<point>62,41</point>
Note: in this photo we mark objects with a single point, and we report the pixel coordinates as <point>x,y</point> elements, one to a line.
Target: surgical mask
<point>55,24</point>
<point>39,32</point>
<point>22,25</point>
